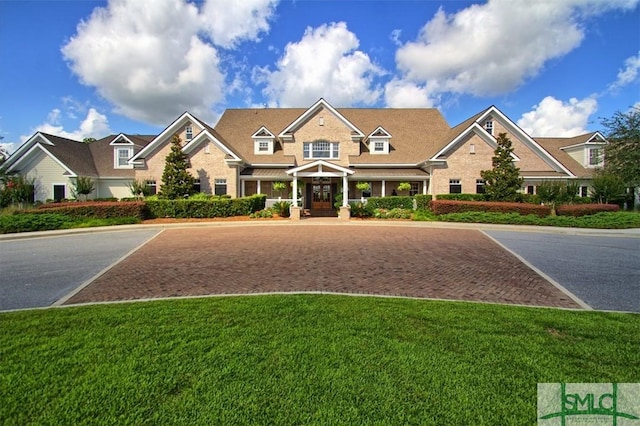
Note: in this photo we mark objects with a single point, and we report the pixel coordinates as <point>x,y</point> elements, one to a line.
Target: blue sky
<point>81,68</point>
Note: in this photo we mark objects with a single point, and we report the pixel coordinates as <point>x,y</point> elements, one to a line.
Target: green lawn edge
<point>302,359</point>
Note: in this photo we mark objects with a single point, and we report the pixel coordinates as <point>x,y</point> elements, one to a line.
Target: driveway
<point>602,271</point>
<point>395,259</point>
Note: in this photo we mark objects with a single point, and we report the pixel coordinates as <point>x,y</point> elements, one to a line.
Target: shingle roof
<point>554,145</point>
<point>102,154</point>
<point>416,133</point>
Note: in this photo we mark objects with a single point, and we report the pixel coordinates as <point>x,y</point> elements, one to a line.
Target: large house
<point>317,152</point>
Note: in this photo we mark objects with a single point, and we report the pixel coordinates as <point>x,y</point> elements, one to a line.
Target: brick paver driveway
<point>384,260</point>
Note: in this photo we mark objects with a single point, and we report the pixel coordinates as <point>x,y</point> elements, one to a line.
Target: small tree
<point>608,188</point>
<point>177,182</point>
<point>503,182</point>
<point>18,190</point>
<point>82,187</point>
<point>279,187</point>
<point>556,193</point>
<point>139,188</point>
<point>404,186</point>
<point>622,153</point>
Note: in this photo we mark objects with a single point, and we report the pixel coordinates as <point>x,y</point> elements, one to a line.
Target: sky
<point>83,68</point>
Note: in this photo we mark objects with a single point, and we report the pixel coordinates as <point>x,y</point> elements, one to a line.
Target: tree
<point>139,188</point>
<point>608,187</point>
<point>82,187</point>
<point>88,140</point>
<point>622,153</point>
<point>177,182</point>
<point>503,182</point>
<point>555,193</point>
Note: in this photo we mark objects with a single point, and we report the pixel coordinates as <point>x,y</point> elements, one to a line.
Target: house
<point>318,152</point>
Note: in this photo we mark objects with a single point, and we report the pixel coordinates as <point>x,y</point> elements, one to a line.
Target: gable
<point>323,111</point>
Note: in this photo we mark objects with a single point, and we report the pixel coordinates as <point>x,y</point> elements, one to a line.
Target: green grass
<point>605,220</point>
<point>302,359</point>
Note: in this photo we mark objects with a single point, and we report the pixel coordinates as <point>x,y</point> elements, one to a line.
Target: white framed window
<point>122,156</point>
<point>595,156</point>
<point>378,146</point>
<point>488,125</point>
<point>321,149</point>
<point>480,186</point>
<point>152,187</point>
<point>263,146</point>
<point>188,133</point>
<point>220,187</point>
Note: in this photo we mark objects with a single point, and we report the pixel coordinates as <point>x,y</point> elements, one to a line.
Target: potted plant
<point>362,187</point>
<point>404,186</point>
<point>279,187</point>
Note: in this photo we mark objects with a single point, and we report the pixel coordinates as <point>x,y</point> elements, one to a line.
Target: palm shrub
<point>82,187</point>
<point>282,208</point>
<point>139,188</point>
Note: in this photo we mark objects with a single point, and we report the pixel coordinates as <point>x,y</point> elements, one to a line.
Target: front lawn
<point>302,359</point>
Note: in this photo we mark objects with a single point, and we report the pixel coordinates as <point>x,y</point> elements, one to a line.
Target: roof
<point>102,154</point>
<point>554,147</point>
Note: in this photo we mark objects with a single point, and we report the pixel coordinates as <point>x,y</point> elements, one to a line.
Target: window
<point>595,156</point>
<point>263,146</point>
<point>196,186</point>
<point>454,186</point>
<point>489,127</point>
<point>188,133</point>
<point>59,192</point>
<point>122,156</point>
<point>530,189</point>
<point>151,187</point>
<point>584,191</point>
<point>321,149</point>
<point>480,186</point>
<point>415,188</point>
<point>378,146</point>
<point>220,187</point>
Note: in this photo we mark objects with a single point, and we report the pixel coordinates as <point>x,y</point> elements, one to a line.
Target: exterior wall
<point>529,161</point>
<point>577,154</point>
<point>463,165</point>
<point>47,173</point>
<point>154,165</point>
<point>211,166</point>
<point>332,130</point>
<point>118,188</point>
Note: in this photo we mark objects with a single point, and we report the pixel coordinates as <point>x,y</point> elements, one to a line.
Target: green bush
<point>261,214</point>
<point>282,208</point>
<point>214,207</point>
<point>388,203</point>
<point>32,222</point>
<point>462,197</point>
<point>96,210</point>
<point>422,201</point>
<point>361,210</point>
<point>393,213</point>
<point>440,207</point>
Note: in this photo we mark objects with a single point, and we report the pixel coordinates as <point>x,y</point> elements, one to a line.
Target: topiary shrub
<point>388,203</point>
<point>450,206</point>
<point>577,210</point>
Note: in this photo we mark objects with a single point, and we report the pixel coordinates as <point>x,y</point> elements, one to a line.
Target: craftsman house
<point>318,152</point>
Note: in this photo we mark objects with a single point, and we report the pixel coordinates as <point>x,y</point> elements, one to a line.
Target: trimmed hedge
<point>451,206</point>
<point>422,201</point>
<point>388,203</point>
<point>218,207</point>
<point>12,223</point>
<point>462,197</point>
<point>577,210</point>
<point>95,209</point>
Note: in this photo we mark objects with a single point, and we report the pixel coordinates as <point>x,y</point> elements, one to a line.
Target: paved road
<point>37,272</point>
<point>602,271</point>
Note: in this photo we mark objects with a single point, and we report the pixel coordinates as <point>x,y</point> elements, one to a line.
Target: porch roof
<point>390,174</point>
<point>264,173</point>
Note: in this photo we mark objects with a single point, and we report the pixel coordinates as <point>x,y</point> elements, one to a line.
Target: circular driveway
<point>395,259</point>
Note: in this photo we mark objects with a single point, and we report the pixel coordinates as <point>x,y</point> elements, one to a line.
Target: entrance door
<point>321,196</point>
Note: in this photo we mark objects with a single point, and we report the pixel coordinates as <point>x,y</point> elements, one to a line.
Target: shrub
<point>389,203</point>
<point>82,186</point>
<point>31,222</point>
<point>462,197</point>
<point>282,208</point>
<point>440,207</point>
<point>422,201</point>
<point>577,210</point>
<point>361,210</point>
<point>262,214</point>
<point>392,214</point>
<point>214,207</point>
<point>97,210</point>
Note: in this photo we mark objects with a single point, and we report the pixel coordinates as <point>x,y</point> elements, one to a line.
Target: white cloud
<point>95,125</point>
<point>230,22</point>
<point>406,94</point>
<point>149,57</point>
<point>552,117</point>
<point>628,74</point>
<point>492,48</point>
<point>324,63</point>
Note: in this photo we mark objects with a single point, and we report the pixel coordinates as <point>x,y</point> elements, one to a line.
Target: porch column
<point>259,187</point>
<point>295,189</point>
<point>424,187</point>
<point>384,190</point>
<point>243,192</point>
<point>345,191</point>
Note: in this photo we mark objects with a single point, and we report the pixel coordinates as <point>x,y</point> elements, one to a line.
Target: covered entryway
<point>323,181</point>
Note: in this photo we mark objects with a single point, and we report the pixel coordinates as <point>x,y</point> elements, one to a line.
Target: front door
<point>321,197</point>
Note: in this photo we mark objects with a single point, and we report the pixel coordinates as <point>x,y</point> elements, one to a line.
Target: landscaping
<point>302,359</point>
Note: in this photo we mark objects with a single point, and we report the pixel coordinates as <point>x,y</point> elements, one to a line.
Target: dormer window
<point>188,133</point>
<point>122,156</point>
<point>263,142</point>
<point>595,156</point>
<point>379,141</point>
